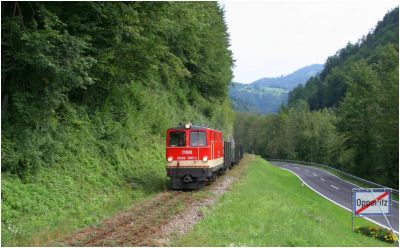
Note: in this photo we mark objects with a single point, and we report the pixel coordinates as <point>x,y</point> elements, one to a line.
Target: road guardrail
<point>336,170</point>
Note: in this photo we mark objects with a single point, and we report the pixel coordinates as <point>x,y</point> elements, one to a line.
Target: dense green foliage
<point>297,134</point>
<point>346,117</point>
<point>378,233</point>
<point>269,207</point>
<point>328,88</point>
<point>263,100</point>
<point>88,90</point>
<point>267,95</point>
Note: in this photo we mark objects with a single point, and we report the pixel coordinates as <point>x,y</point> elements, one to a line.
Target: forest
<point>345,117</point>
<point>88,91</point>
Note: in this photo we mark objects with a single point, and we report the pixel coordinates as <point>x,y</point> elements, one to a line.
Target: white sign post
<point>372,202</point>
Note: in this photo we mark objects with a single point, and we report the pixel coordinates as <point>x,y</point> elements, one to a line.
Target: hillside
<point>88,91</point>
<point>329,87</point>
<point>291,80</point>
<point>262,100</point>
<point>266,95</point>
<point>299,218</point>
<point>346,117</point>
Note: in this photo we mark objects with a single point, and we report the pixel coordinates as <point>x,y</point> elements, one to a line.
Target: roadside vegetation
<point>269,206</point>
<point>378,233</point>
<point>346,117</point>
<point>88,90</point>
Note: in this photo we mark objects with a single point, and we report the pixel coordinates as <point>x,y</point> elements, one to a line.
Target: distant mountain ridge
<point>291,80</point>
<point>267,94</point>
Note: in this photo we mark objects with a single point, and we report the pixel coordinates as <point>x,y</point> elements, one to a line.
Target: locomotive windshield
<point>198,138</point>
<point>177,139</point>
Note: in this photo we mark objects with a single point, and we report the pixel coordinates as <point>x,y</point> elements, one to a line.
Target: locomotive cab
<point>194,154</point>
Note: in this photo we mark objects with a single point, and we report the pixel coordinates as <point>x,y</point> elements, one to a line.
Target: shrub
<point>378,233</point>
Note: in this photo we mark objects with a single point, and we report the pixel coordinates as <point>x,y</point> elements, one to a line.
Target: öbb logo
<point>186,151</point>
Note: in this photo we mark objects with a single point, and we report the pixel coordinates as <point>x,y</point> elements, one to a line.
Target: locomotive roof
<point>193,127</point>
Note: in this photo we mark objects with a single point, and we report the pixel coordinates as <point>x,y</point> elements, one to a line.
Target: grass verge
<point>58,201</point>
<point>269,207</point>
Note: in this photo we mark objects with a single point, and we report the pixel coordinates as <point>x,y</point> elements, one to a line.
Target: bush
<point>89,96</point>
<point>377,233</point>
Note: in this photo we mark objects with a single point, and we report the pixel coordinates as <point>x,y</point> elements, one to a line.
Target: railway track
<point>145,220</point>
<point>120,225</point>
<point>151,222</point>
<point>139,226</point>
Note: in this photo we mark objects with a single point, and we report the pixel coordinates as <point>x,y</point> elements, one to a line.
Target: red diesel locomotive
<point>197,155</point>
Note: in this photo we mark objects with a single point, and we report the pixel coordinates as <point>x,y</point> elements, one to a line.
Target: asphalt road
<point>335,189</point>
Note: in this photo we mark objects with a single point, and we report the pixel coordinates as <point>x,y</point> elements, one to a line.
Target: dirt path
<point>159,220</point>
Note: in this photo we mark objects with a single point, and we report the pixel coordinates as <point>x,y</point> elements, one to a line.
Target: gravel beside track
<point>184,222</point>
<point>156,221</point>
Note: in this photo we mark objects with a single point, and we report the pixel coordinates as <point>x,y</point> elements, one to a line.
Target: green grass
<point>100,166</point>
<point>269,207</point>
<point>55,202</point>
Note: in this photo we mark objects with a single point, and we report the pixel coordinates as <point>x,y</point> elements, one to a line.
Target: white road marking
<point>345,180</point>
<point>315,174</point>
<point>342,180</point>
<point>333,186</point>
<point>338,204</point>
<point>322,179</point>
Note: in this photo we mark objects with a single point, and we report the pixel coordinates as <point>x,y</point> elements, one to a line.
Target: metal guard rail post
<point>334,169</point>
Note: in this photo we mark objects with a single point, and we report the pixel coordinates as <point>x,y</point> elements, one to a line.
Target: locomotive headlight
<point>205,158</point>
<point>187,125</point>
<point>169,159</point>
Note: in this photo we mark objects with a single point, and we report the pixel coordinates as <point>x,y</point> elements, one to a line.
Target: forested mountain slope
<point>266,95</point>
<point>329,87</point>
<point>346,117</point>
<point>88,90</point>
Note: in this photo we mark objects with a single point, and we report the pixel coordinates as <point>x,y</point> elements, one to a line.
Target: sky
<point>271,38</point>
